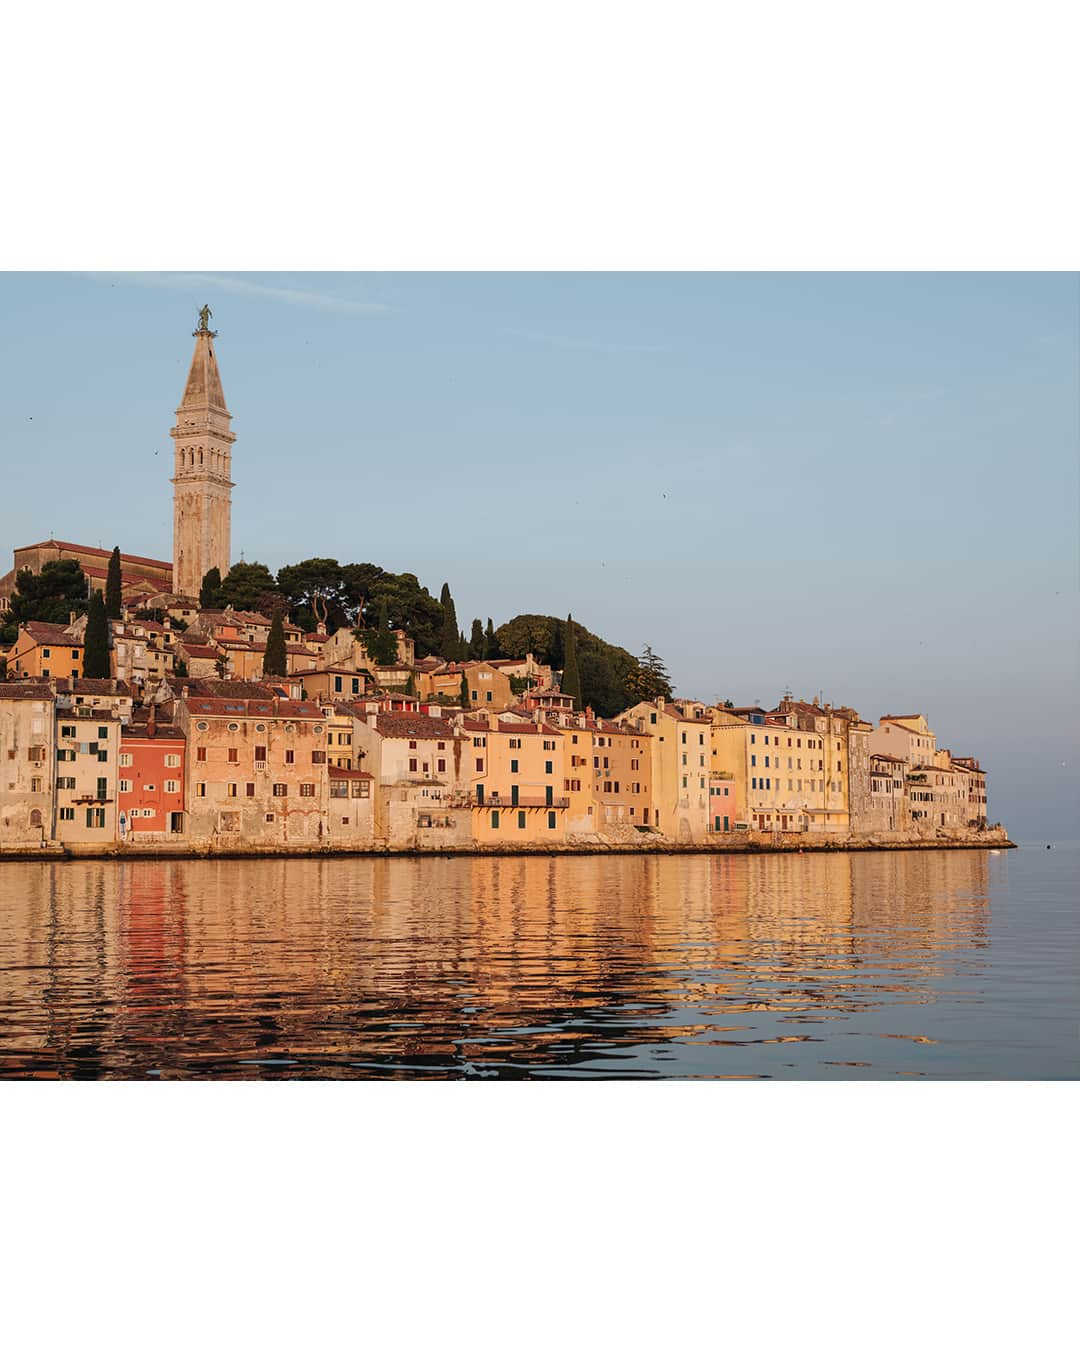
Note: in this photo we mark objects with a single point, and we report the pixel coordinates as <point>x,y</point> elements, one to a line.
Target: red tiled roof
<point>52,633</point>
<point>286,710</point>
<point>348,773</point>
<point>21,689</point>
<point>98,552</point>
<point>410,726</point>
<point>116,688</point>
<point>198,651</point>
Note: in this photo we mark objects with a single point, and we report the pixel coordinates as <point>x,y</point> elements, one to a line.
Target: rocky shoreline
<point>986,839</point>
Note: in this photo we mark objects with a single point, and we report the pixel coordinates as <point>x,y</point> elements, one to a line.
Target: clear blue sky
<point>859,484</point>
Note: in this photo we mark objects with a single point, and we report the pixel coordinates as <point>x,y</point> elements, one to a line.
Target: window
<point>307,789</point>
<point>339,789</point>
<point>103,733</point>
<point>66,784</point>
<point>234,755</point>
<point>412,765</point>
<point>494,820</point>
<point>551,820</point>
<point>124,785</point>
<point>103,756</point>
<point>200,754</point>
<point>548,766</point>
<point>230,790</point>
<point>172,785</point>
<point>361,788</point>
<point>521,820</point>
<point>515,743</point>
<point>249,789</point>
<point>67,813</point>
<point>260,754</point>
<point>281,789</point>
<point>269,817</point>
<point>126,761</point>
<point>318,756</point>
<point>479,766</point>
<point>513,766</point>
<point>549,745</point>
<point>200,789</point>
<point>95,817</point>
<point>442,766</point>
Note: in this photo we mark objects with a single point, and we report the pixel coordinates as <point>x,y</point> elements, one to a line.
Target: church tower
<point>201,484</point>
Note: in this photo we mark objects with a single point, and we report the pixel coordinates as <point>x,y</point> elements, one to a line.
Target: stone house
<point>418,768</point>
<point>43,651</point>
<point>150,779</point>
<point>680,747</point>
<point>27,763</point>
<point>256,770</point>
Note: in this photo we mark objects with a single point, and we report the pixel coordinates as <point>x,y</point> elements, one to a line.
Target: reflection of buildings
<point>343,967</point>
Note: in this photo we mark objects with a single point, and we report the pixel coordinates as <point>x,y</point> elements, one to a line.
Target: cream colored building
<point>680,747</point>
<point>418,765</point>
<point>27,764</point>
<point>908,737</point>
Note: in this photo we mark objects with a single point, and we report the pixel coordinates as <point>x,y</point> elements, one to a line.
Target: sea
<point>944,964</point>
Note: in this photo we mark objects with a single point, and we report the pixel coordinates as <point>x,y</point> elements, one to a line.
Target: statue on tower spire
<point>204,322</point>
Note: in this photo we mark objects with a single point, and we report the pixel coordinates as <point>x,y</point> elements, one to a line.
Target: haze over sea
<point>940,964</point>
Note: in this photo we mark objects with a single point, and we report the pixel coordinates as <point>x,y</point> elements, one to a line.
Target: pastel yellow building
<point>680,752</point>
<point>516,771</point>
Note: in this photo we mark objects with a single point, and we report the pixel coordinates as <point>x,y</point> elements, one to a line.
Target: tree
<point>410,685</point>
<point>411,606</point>
<point>491,648</point>
<point>450,637</point>
<point>380,643</point>
<point>210,590</point>
<point>464,695</point>
<point>476,641</point>
<point>652,680</point>
<point>49,596</point>
<point>96,640</point>
<point>245,584</point>
<point>113,595</point>
<point>316,592</point>
<point>180,669</point>
<point>571,676</point>
<point>275,660</point>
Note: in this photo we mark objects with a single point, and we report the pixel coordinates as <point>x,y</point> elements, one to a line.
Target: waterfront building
<point>350,809</point>
<point>976,784</point>
<point>887,809</point>
<point>87,759</point>
<point>680,749</point>
<point>516,770</point>
<point>418,767</point>
<point>202,483</point>
<point>27,763</point>
<point>908,736</point>
<point>256,769</point>
<point>722,802</point>
<point>150,778</point>
<point>142,651</point>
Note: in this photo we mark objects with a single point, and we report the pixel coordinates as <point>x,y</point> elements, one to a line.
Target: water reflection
<point>736,966</point>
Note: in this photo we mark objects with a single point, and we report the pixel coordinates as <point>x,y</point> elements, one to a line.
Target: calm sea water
<point>897,965</point>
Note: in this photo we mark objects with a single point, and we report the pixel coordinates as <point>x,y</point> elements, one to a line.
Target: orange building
<point>150,787</point>
<point>44,650</point>
<point>516,770</point>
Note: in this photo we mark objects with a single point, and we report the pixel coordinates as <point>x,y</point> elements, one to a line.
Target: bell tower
<point>202,487</point>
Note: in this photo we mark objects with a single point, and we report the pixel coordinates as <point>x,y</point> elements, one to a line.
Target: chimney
<point>320,628</point>
<point>185,691</point>
<point>72,616</point>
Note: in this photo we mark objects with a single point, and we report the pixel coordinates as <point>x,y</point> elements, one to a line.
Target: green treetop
<point>275,659</point>
<point>96,641</point>
<point>113,596</point>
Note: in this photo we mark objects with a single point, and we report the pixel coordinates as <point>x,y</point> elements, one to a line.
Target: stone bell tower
<point>202,486</point>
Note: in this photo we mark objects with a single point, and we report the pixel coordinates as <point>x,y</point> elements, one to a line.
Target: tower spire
<point>202,485</point>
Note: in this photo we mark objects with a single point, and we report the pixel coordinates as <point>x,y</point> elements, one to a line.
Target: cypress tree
<point>451,637</point>
<point>477,642</point>
<point>571,677</point>
<point>491,646</point>
<point>96,643</point>
<point>275,660</point>
<point>210,590</point>
<point>466,701</point>
<point>113,599</point>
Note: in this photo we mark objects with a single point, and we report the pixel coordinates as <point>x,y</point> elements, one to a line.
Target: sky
<point>858,485</point>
